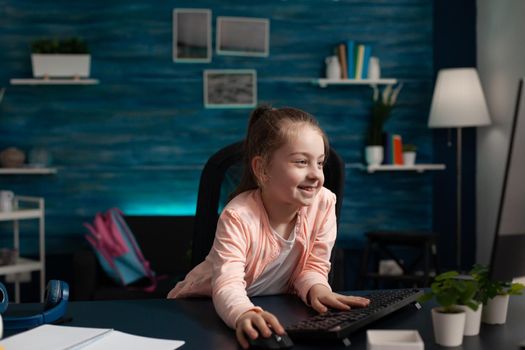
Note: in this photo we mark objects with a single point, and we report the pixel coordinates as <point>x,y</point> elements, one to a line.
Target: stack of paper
<point>61,337</point>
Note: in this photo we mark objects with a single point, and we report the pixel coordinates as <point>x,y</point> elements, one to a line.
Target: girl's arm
<point>228,256</point>
<point>312,284</point>
<point>317,264</point>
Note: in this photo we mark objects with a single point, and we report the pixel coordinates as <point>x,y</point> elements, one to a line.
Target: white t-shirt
<point>274,279</point>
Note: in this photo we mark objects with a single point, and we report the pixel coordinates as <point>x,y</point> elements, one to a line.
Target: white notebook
<point>50,337</point>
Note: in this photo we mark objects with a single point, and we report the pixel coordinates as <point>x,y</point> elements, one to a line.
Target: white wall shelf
<point>21,214</point>
<point>325,82</point>
<point>22,265</point>
<point>391,167</point>
<point>27,171</point>
<point>26,208</point>
<point>36,81</point>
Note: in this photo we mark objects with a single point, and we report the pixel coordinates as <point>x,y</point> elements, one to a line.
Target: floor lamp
<point>458,102</point>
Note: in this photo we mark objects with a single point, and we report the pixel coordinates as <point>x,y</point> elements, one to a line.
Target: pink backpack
<point>118,251</point>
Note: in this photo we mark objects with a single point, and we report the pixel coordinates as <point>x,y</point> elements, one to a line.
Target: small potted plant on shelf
<point>494,295</point>
<point>448,320</point>
<point>409,154</point>
<point>381,108</point>
<point>66,58</point>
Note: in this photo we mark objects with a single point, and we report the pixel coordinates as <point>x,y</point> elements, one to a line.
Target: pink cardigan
<point>244,245</point>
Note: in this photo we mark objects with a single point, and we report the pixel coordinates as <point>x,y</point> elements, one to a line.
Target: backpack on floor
<point>118,251</point>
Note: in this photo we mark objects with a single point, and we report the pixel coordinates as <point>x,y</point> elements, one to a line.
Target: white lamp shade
<point>458,100</point>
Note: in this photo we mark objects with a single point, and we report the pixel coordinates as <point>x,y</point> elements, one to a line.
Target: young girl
<point>276,235</point>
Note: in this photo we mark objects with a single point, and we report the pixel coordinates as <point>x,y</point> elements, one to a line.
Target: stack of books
<point>354,58</point>
<point>393,150</point>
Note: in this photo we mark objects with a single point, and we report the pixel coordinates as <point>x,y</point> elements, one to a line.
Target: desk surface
<point>195,321</point>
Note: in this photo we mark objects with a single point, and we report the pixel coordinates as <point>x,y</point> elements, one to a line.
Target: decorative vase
<point>409,158</point>
<point>374,69</point>
<point>12,157</point>
<point>448,327</point>
<point>374,155</point>
<point>39,158</point>
<point>6,201</point>
<point>472,319</point>
<point>495,312</point>
<point>333,68</point>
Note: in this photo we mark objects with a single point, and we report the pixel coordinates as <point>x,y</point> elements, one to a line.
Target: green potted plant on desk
<point>409,154</point>
<point>66,58</point>
<point>448,320</point>
<point>382,104</point>
<point>494,295</point>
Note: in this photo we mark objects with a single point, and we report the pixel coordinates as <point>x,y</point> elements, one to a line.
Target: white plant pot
<point>61,65</point>
<point>472,319</point>
<point>409,158</point>
<point>374,155</point>
<point>448,327</point>
<point>495,312</point>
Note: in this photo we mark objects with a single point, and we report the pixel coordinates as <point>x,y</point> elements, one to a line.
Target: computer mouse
<point>274,341</point>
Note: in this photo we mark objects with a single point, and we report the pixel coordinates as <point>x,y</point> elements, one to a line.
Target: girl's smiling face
<point>294,174</point>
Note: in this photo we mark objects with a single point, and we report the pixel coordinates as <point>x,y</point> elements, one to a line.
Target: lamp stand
<point>458,198</point>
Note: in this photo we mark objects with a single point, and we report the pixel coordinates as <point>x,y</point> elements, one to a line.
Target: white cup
<point>6,201</point>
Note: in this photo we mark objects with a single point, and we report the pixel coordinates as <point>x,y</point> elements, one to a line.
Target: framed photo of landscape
<point>243,36</point>
<point>192,35</point>
<point>230,88</point>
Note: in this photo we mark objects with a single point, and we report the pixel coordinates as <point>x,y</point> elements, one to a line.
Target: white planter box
<point>61,65</point>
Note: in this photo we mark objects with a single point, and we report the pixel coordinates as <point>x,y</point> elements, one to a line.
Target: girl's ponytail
<point>257,114</point>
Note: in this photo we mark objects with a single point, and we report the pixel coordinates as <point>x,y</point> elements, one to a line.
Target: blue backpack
<point>118,251</point>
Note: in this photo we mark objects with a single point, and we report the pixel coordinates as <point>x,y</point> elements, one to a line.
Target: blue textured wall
<point>139,139</point>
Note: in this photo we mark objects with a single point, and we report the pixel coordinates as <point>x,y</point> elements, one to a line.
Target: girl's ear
<point>258,169</point>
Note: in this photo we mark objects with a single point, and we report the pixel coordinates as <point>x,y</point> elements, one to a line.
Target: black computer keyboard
<point>340,324</point>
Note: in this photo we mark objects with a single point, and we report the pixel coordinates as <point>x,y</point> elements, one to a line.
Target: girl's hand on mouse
<point>321,298</point>
<point>255,323</point>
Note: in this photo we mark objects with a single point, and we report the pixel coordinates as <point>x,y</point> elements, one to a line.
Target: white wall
<point>501,63</point>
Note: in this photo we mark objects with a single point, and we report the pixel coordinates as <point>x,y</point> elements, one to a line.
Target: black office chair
<point>220,176</point>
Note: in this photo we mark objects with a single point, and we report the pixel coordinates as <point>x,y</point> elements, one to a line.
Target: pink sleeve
<point>318,261</point>
<point>228,256</point>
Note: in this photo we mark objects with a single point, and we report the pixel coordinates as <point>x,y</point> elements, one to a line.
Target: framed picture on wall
<point>192,35</point>
<point>230,88</point>
<point>242,36</point>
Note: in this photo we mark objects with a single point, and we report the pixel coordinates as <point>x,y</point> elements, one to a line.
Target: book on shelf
<point>387,159</point>
<point>51,337</point>
<point>397,150</point>
<point>366,58</point>
<point>363,53</point>
<point>350,56</point>
<point>341,54</point>
<point>359,56</point>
